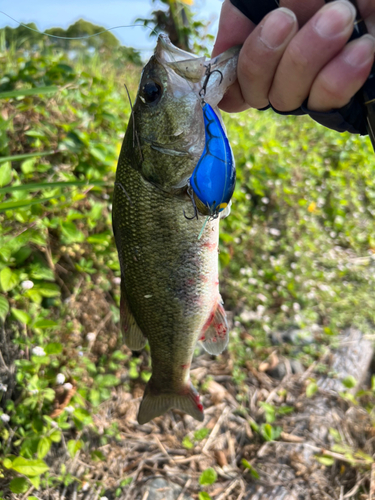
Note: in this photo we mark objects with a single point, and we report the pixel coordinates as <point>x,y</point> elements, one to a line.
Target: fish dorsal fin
<point>215,333</point>
<point>133,335</point>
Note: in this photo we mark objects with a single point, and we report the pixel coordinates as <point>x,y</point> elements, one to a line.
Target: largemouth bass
<point>169,277</point>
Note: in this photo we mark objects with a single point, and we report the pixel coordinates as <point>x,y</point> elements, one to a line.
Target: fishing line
<point>85,37</point>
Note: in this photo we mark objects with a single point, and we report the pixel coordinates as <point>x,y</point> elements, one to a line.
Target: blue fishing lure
<point>214,178</point>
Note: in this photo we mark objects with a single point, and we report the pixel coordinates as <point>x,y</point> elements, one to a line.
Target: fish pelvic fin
<point>155,403</point>
<point>133,336</point>
<point>215,333</point>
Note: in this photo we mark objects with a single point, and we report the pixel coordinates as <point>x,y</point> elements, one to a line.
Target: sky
<point>108,13</point>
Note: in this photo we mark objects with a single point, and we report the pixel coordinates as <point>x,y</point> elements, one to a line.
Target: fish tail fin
<point>155,403</point>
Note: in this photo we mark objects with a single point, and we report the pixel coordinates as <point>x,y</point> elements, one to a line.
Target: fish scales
<point>169,285</point>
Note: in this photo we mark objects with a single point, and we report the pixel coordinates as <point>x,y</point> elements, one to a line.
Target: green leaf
<point>267,432</point>
<point>4,307</point>
<point>186,443</point>
<point>44,446</point>
<point>45,323</point>
<point>8,279</point>
<point>349,382</point>
<point>71,232</point>
<point>204,496</point>
<point>311,389</point>
<point>324,460</point>
<point>29,467</point>
<point>248,466</point>
<point>11,205</point>
<point>55,436</point>
<point>21,316</point>
<point>19,485</point>
<point>82,415</point>
<point>47,289</point>
<point>73,446</point>
<point>51,89</point>
<point>201,434</point>
<point>35,481</point>
<point>53,348</point>
<point>208,477</point>
<point>7,463</point>
<point>5,174</point>
<point>107,380</point>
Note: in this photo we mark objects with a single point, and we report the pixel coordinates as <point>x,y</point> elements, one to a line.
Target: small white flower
<point>26,285</point>
<point>4,417</point>
<point>68,386</point>
<point>3,387</point>
<point>265,200</point>
<point>293,265</point>
<point>116,281</point>
<point>103,498</point>
<point>69,409</point>
<point>85,486</point>
<point>274,231</point>
<point>60,378</point>
<point>296,307</point>
<point>38,351</point>
<point>284,308</point>
<point>91,337</point>
<point>262,297</point>
<point>34,391</point>
<point>260,310</point>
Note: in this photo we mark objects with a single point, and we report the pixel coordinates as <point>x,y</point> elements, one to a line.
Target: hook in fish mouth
<point>202,92</point>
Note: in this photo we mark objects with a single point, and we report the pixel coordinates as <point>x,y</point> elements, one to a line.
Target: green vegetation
<point>298,249</point>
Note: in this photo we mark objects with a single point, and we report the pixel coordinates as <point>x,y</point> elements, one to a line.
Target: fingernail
<point>360,52</point>
<point>335,18</point>
<point>277,27</point>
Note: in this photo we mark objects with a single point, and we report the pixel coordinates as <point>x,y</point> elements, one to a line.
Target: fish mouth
<point>187,65</point>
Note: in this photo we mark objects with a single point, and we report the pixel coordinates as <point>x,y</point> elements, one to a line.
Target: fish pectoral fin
<point>133,336</point>
<point>215,335</point>
<point>155,403</point>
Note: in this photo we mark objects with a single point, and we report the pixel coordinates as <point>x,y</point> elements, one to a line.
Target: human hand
<point>298,51</point>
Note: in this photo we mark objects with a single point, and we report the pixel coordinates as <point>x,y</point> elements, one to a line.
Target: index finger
<point>234,28</point>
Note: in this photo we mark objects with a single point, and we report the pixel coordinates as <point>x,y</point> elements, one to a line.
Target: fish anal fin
<point>215,333</point>
<point>133,336</point>
<point>155,403</point>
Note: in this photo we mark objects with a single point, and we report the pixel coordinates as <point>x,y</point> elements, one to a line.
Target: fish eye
<point>151,92</point>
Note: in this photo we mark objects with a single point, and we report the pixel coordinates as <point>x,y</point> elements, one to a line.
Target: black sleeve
<point>255,10</point>
<point>350,118</point>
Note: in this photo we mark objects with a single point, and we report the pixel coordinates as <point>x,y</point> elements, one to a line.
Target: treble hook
<point>195,216</point>
<point>208,73</point>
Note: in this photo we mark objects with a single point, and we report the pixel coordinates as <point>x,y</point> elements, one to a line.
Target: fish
<point>169,271</point>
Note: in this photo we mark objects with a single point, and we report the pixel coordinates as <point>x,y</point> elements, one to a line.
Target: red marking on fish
<point>211,246</point>
<point>208,322</point>
<point>199,404</point>
<point>221,329</point>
